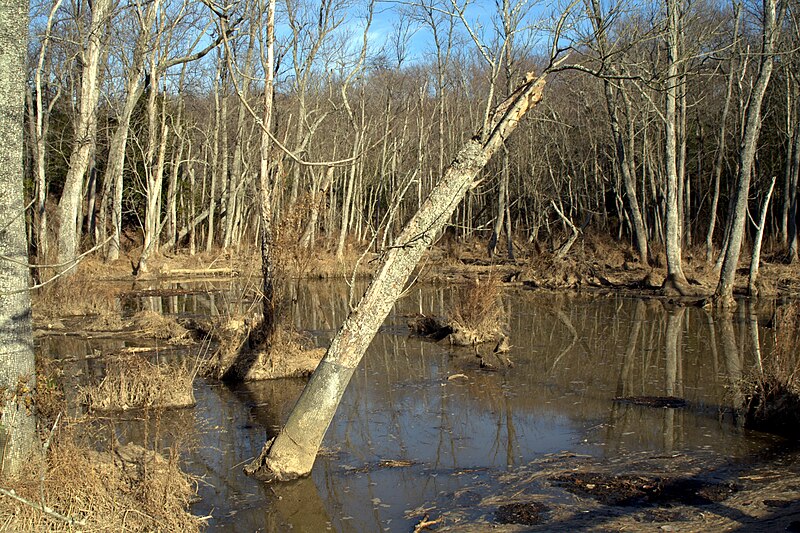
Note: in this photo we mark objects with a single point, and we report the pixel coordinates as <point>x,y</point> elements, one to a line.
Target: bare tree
<point>85,132</point>
<point>17,373</point>
<point>291,454</point>
<point>772,14</point>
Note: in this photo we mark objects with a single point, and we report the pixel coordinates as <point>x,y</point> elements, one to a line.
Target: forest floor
<point>640,492</point>
<point>593,264</point>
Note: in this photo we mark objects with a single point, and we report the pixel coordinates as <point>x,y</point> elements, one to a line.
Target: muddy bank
<point>566,492</point>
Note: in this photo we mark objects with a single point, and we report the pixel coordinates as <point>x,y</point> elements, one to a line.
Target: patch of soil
<point>528,514</point>
<point>665,402</point>
<point>625,490</point>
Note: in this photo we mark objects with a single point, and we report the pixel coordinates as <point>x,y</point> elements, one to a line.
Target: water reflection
<point>572,357</point>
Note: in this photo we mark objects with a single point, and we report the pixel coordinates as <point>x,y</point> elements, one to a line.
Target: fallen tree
<point>292,453</point>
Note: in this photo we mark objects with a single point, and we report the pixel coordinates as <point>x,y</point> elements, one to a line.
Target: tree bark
<point>85,131</point>
<point>752,127</point>
<point>719,160</point>
<point>17,375</point>
<point>676,280</point>
<point>755,259</point>
<point>292,453</point>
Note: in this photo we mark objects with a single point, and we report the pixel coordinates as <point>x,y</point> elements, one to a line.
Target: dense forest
<point>664,127</point>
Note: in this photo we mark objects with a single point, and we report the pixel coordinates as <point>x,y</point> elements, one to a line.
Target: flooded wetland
<point>617,413</point>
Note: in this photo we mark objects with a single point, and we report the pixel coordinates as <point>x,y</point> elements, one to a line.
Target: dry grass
<point>77,295</point>
<point>106,321</point>
<point>243,354</point>
<point>773,393</point>
<point>134,383</point>
<point>127,489</point>
<point>477,314</point>
<point>157,326</point>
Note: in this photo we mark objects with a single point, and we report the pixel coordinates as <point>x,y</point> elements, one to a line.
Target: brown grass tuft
<point>477,314</point>
<point>74,296</point>
<point>127,489</point>
<point>158,326</point>
<point>244,354</point>
<point>772,399</point>
<point>134,383</point>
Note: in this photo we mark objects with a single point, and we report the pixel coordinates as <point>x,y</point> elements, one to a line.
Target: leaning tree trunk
<point>291,454</point>
<point>17,375</point>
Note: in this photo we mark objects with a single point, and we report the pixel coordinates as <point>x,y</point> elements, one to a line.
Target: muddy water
<point>572,355</point>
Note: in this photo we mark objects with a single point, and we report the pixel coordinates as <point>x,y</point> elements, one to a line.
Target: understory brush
<point>477,314</point>
<point>132,382</point>
<point>772,394</point>
<point>77,483</point>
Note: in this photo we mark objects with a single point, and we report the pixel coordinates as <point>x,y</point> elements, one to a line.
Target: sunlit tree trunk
<point>752,127</point>
<point>676,280</point>
<point>85,130</point>
<point>17,375</point>
<point>719,160</point>
<point>265,176</point>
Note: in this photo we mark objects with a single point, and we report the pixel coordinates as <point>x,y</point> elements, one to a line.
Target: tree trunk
<point>85,130</point>
<point>756,257</point>
<point>265,179</point>
<point>719,160</point>
<point>292,453</point>
<point>17,374</point>
<point>792,194</point>
<point>676,280</point>
<point>752,127</point>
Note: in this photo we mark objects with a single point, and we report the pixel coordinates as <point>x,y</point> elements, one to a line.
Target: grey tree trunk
<point>792,193</point>
<point>755,259</point>
<point>265,176</point>
<point>85,130</point>
<point>119,140</point>
<point>676,280</point>
<point>752,127</point>
<point>17,375</point>
<point>624,158</point>
<point>293,451</point>
<point>719,160</point>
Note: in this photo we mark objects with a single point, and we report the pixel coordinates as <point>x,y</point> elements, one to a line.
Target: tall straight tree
<point>84,134</point>
<point>676,280</point>
<point>621,151</point>
<point>17,375</point>
<point>772,14</point>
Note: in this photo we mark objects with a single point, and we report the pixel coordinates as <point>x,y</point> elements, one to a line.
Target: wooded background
<point>144,123</point>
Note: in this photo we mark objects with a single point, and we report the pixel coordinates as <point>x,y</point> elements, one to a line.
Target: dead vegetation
<point>772,400</point>
<point>134,383</point>
<point>157,326</point>
<point>78,485</point>
<point>125,489</point>
<point>244,354</point>
<point>80,295</point>
<point>476,316</point>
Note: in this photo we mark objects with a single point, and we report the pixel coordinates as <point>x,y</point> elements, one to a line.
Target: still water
<point>453,437</point>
